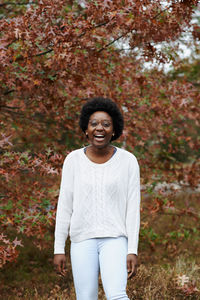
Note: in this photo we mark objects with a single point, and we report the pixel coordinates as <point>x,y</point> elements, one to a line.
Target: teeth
<point>99,136</point>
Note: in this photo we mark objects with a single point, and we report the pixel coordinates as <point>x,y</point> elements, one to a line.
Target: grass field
<point>169,263</point>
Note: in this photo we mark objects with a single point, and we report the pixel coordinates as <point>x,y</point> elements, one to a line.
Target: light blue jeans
<point>107,255</point>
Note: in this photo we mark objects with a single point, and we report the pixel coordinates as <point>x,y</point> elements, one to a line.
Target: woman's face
<point>100,129</point>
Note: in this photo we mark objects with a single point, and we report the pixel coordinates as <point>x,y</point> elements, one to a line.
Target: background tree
<point>54,56</point>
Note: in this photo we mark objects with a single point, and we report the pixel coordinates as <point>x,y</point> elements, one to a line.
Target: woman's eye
<point>106,124</point>
<point>93,124</point>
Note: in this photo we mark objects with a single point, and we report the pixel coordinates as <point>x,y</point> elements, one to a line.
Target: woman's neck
<point>100,151</point>
<point>99,155</point>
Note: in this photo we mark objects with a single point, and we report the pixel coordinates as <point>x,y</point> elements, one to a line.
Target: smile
<point>99,137</point>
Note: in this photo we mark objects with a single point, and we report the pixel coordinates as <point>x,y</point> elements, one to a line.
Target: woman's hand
<point>60,263</point>
<point>131,265</point>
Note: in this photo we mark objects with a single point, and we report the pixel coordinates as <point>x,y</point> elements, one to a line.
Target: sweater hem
<point>81,237</point>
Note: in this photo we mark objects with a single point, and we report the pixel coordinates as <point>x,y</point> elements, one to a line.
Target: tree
<point>54,56</point>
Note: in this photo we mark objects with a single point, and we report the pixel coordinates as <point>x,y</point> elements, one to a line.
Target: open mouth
<point>99,137</point>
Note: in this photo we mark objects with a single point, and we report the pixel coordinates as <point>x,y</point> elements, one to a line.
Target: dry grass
<point>157,282</point>
<point>180,280</point>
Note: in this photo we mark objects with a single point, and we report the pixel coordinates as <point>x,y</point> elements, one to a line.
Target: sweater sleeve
<point>64,208</point>
<point>133,207</point>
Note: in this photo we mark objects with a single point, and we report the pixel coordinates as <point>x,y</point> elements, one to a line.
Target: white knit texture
<point>98,200</point>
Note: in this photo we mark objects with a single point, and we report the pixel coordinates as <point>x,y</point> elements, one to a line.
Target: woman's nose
<point>99,126</point>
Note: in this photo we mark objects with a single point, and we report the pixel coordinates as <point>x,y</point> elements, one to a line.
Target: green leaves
<point>8,206</point>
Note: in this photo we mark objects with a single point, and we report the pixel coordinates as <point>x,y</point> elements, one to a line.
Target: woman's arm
<point>133,207</point>
<point>133,216</point>
<point>64,208</point>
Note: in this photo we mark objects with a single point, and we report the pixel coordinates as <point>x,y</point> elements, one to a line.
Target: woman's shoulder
<point>71,156</point>
<point>124,154</point>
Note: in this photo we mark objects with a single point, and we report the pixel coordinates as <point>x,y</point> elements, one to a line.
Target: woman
<point>99,201</point>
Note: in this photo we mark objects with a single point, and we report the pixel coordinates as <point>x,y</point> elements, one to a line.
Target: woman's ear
<point>86,133</point>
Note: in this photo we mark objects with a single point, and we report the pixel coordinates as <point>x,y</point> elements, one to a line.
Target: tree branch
<point>158,14</point>
<point>8,92</point>
<point>15,4</point>
<point>43,53</point>
<point>10,107</point>
<point>123,35</point>
<point>112,42</point>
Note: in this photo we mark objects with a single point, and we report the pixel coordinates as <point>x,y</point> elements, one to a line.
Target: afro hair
<point>106,105</point>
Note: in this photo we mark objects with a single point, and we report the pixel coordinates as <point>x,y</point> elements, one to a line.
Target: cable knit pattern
<point>98,200</point>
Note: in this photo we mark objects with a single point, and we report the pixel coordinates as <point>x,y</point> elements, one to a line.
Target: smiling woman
<point>99,205</point>
<point>100,129</point>
<point>99,133</point>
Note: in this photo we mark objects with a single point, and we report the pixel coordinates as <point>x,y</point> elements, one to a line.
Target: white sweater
<point>98,200</point>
